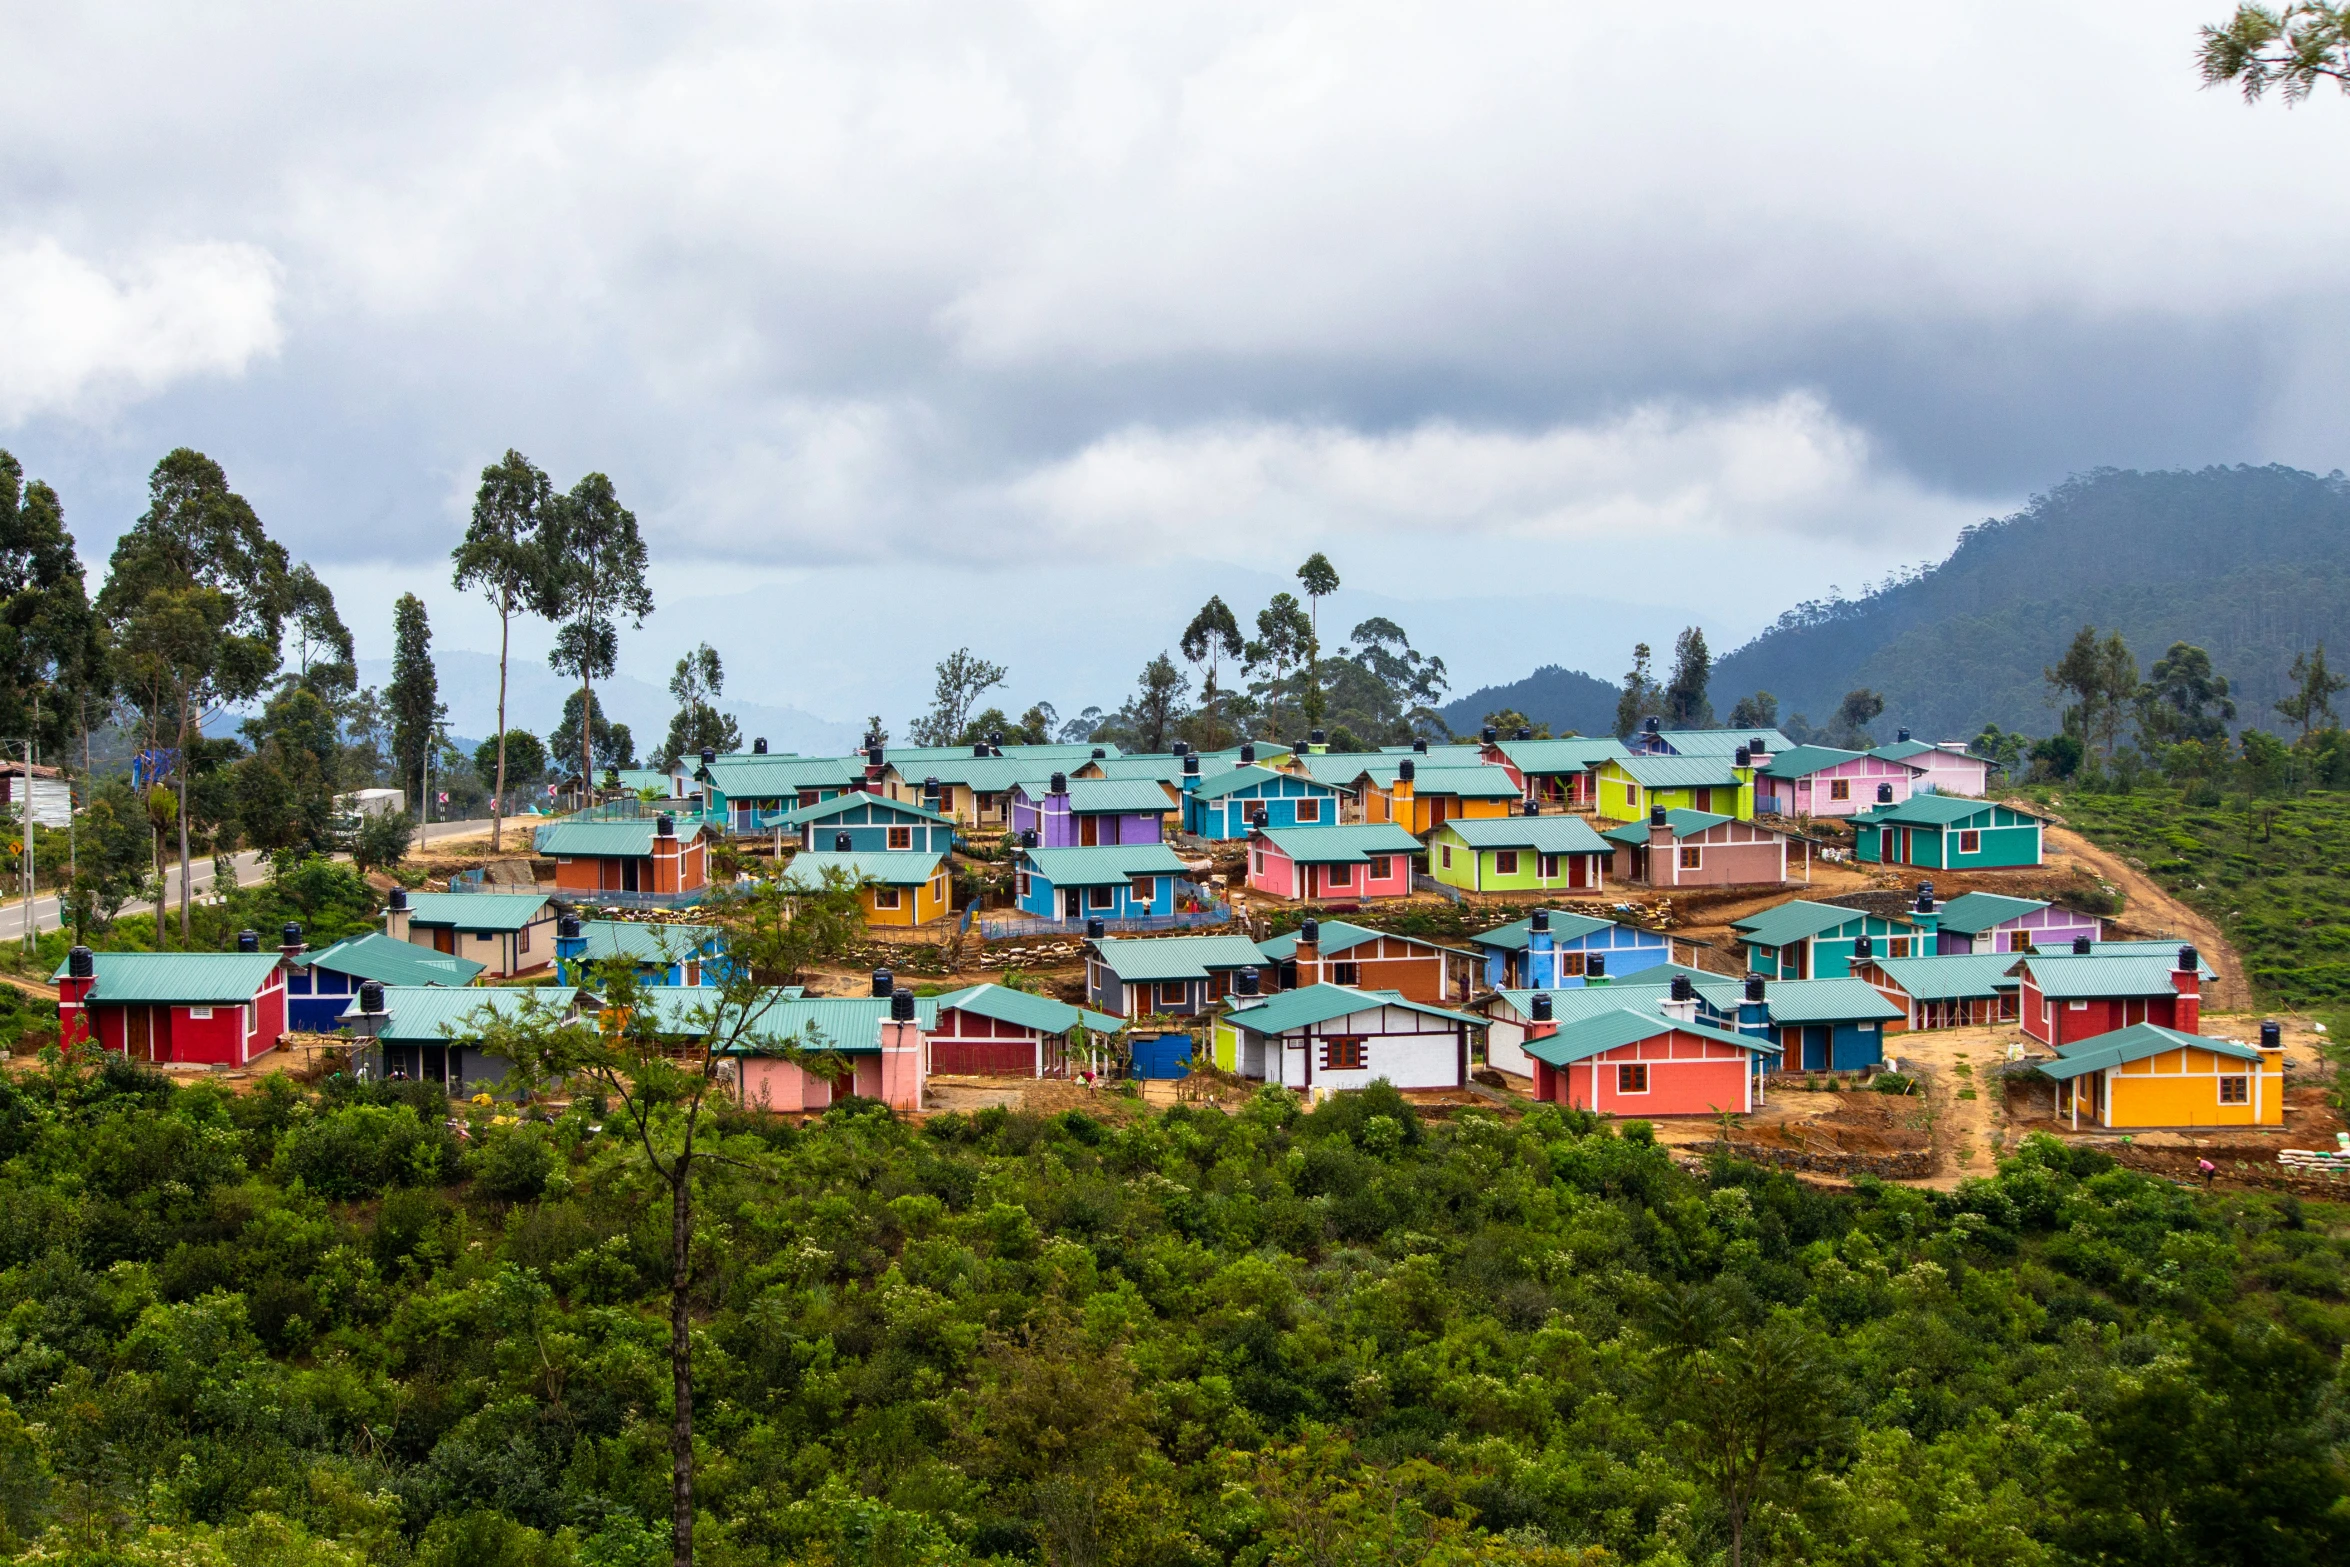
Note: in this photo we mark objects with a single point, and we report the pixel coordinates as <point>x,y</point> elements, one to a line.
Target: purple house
<point>1088,813</point>
<point>1991,922</point>
<point>1819,780</point>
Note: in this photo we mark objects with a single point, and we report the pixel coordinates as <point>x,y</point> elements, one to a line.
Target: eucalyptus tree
<point>505,557</point>
<point>596,578</point>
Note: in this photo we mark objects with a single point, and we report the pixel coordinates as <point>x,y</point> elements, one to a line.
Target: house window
<point>2235,1090</point>
<point>1547,867</point>
<point>1690,855</point>
<point>1145,889</point>
<point>1258,859</point>
<point>1631,794</point>
<point>1346,973</point>
<point>1839,788</point>
<point>2019,941</point>
<point>1897,946</point>
<point>525,943</point>
<point>885,897</point>
<point>1382,867</point>
<point>1970,841</point>
<point>1174,994</point>
<point>1101,897</point>
<point>807,798</point>
<point>1570,963</point>
<point>1023,884</point>
<point>1505,862</point>
<point>1340,875</point>
<point>1344,1055</point>
<point>901,837</point>
<point>1309,810</point>
<point>199,1012</point>
<point>1446,852</point>
<point>2076,1006</point>
<point>1632,1078</point>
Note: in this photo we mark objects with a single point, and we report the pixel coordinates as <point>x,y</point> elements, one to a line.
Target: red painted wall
<point>1687,1075</point>
<point>175,1033</point>
<point>2102,1015</point>
<point>970,1045</point>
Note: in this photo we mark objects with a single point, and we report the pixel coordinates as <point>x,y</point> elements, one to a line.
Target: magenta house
<point>1991,922</point>
<point>1361,862</point>
<point>1819,780</point>
<point>1087,813</point>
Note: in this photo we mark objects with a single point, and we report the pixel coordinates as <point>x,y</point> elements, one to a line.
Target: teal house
<point>1804,940</point>
<point>872,824</point>
<point>660,954</point>
<point>1948,832</point>
<point>746,792</point>
<point>1230,803</point>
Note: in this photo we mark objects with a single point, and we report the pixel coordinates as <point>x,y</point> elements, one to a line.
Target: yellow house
<point>2147,1075</point>
<point>1628,787</point>
<point>899,887</point>
<point>1422,799</point>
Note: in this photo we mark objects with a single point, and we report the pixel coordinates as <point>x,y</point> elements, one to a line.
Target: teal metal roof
<point>1576,1003</point>
<point>1930,810</point>
<point>1903,750</point>
<point>765,777</point>
<point>2135,1043</point>
<point>1175,957</point>
<point>1564,927</point>
<point>1106,866</point>
<point>1540,834</point>
<point>1340,936</point>
<point>825,809</point>
<point>1658,976</point>
<point>1605,1031</point>
<point>647,943</point>
<point>1678,772</point>
<point>1240,778</point>
<point>374,955</point>
<point>1341,769</point>
<point>849,1024</point>
<point>2167,951</point>
<point>1805,760</point>
<point>1107,796</point>
<point>1828,1001</point>
<point>694,1011</point>
<point>1971,913</point>
<point>1465,783</point>
<point>1680,822</point>
<point>478,911</point>
<point>596,838</point>
<point>889,867</point>
<point>980,774</point>
<point>902,756</point>
<point>1294,1009</point>
<point>1722,742</point>
<point>1023,1010</point>
<point>1575,754</point>
<point>2064,977</point>
<point>1957,977</point>
<point>1162,769</point>
<point>195,978</point>
<point>431,1014</point>
<point>1794,921</point>
<point>1340,845</point>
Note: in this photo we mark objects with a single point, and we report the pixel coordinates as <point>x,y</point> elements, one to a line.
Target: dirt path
<point>30,987</point>
<point>2152,909</point>
<point>1959,1068</point>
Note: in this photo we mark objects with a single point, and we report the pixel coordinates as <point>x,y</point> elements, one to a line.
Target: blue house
<point>1805,940</point>
<point>320,985</point>
<point>1548,950</point>
<point>1227,805</point>
<point>662,954</point>
<point>1820,1025</point>
<point>871,823</point>
<point>1119,882</point>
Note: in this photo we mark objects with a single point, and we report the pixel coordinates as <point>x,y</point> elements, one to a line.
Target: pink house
<point>878,1047</point>
<point>1321,863</point>
<point>1949,767</point>
<point>1647,1058</point>
<point>1819,780</point>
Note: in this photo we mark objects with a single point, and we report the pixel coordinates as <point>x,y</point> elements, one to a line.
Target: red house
<point>2075,995</point>
<point>209,1008</point>
<point>1646,1061</point>
<point>990,1031</point>
<point>647,858</point>
<point>1358,862</point>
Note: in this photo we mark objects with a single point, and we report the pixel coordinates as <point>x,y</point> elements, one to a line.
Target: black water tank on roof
<point>248,941</point>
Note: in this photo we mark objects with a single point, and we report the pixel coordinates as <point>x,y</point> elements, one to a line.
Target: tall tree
<point>413,697</point>
<point>2291,48</point>
<point>595,579</point>
<point>1212,637</point>
<point>1415,682</point>
<point>697,725</point>
<point>1859,709</point>
<point>1746,1410</point>
<point>2182,699</point>
<point>197,594</point>
<point>504,556</point>
<point>1320,579</point>
<point>1283,641</point>
<point>1641,699</point>
<point>1157,703</point>
<point>1685,701</point>
<point>52,648</point>
<point>2314,690</point>
<point>2102,679</point>
<point>1759,711</point>
<point>962,679</point>
<point>611,744</point>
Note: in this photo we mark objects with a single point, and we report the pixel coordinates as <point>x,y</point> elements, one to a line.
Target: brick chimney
<point>1401,795</point>
<point>73,993</point>
<point>2186,983</point>
<point>1309,953</point>
<point>396,914</point>
<point>902,1052</point>
<point>1664,865</point>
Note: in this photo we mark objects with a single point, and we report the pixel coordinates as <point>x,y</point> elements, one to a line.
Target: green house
<point>1948,832</point>
<point>1518,854</point>
<point>1805,940</point>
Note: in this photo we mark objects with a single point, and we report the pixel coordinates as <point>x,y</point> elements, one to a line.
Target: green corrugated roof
<point>1929,810</point>
<point>1340,769</point>
<point>1680,821</point>
<point>1019,751</point>
<point>1827,1001</point>
<point>196,978</point>
<point>1162,769</point>
<point>1175,957</point>
<point>1794,921</point>
<point>824,809</point>
<point>1023,1010</point>
<point>982,775</point>
<point>481,911</point>
<point>1539,834</point>
<point>2166,951</point>
<point>1973,912</point>
<point>2065,977</point>
<point>1722,742</point>
<point>646,943</point>
<point>1607,1031</point>
<point>848,1024</point>
<point>430,1014</point>
<point>596,838</point>
<point>1106,796</point>
<point>1574,754</point>
<point>1564,927</point>
<point>1903,750</point>
<point>1340,845</point>
<point>1465,783</point>
<point>1103,867</point>
<point>1661,975</point>
<point>1340,936</point>
<point>1240,778</point>
<point>2134,1043</point>
<point>1957,977</point>
<point>1677,772</point>
<point>766,777</point>
<point>1805,760</point>
<point>689,1011</point>
<point>889,867</point>
<point>1577,1002</point>
<point>1293,1009</point>
<point>374,955</point>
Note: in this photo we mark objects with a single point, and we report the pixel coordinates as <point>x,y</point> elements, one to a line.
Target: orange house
<point>2146,1075</point>
<point>626,857</point>
<point>1422,799</point>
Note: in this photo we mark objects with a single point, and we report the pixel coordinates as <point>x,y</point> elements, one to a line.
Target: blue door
<point>1815,1048</point>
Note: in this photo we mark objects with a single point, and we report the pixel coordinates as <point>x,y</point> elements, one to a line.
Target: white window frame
<point>200,1014</point>
<point>887,898</point>
<point>1101,897</point>
<point>2076,1006</point>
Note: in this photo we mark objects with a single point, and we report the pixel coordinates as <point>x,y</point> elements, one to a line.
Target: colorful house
<point>1653,739</point>
<point>877,1048</point>
<point>1510,1016</point>
<point>660,954</point>
<point>873,824</point>
<point>649,858</point>
<point>1353,863</point>
<point>2067,998</point>
<point>1554,774</point>
<point>1702,849</point>
<point>1338,1037</point>
<point>1803,940</point>
<point>1519,854</point>
<point>1641,1061</point>
<point>1120,882</point>
<point>1335,952</point>
<point>1945,991</point>
<point>213,1008</point>
<point>749,791</point>
<point>1819,780</point>
<point>434,1034</point>
<point>894,888</point>
<point>1087,813</point>
<point>1825,1025</point>
<point>991,1031</point>
<point>1994,922</point>
<point>1948,768</point>
<point>507,933</point>
<point>2146,1075</point>
<point>320,985</point>
<point>1180,976</point>
<point>1948,832</point>
<point>1228,805</point>
<point>1548,950</point>
<point>1421,799</point>
<point>1627,788</point>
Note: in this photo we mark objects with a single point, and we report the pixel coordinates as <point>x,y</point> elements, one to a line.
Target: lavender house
<point>1088,813</point>
<point>1948,768</point>
<point>1991,922</point>
<point>1819,780</point>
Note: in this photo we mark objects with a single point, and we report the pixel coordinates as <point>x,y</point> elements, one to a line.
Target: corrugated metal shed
<point>2069,978</point>
<point>191,978</point>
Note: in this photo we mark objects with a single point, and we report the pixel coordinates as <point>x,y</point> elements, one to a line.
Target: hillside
<point>1562,698</point>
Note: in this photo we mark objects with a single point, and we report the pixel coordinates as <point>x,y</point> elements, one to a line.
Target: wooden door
<point>444,939</point>
<point>139,1033</point>
<point>1705,799</point>
<point>628,875</point>
<point>1089,831</point>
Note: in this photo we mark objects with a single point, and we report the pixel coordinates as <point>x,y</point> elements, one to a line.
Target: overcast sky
<point>902,326</point>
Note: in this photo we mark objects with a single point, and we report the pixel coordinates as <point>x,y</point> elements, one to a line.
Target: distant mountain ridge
<point>2252,564</point>
<point>1562,698</point>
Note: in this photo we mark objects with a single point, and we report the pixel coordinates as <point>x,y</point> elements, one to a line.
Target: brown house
<point>1333,952</point>
<point>1678,848</point>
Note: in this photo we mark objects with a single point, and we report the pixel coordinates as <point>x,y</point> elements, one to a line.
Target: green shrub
<point>511,1163</point>
<point>360,1150</point>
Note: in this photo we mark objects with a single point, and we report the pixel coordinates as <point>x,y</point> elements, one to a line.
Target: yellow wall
<point>1614,785</point>
<point>917,905</point>
<point>1420,816</point>
<point>2181,1088</point>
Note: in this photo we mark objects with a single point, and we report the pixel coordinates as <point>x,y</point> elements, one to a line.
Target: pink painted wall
<point>1687,1075</point>
<point>1814,795</point>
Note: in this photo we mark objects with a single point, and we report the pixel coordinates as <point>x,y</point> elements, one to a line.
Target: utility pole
<point>25,814</point>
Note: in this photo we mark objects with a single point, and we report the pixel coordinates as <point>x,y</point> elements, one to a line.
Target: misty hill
<point>1562,698</point>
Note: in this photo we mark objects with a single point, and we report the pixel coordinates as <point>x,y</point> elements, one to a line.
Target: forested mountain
<point>2252,564</point>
